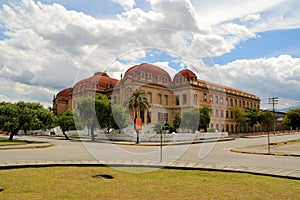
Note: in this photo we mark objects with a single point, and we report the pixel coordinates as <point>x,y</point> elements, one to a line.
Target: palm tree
<point>138,104</point>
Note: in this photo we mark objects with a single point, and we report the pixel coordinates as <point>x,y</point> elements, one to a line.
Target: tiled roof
<point>188,74</point>
<point>64,93</point>
<point>101,79</point>
<point>148,69</point>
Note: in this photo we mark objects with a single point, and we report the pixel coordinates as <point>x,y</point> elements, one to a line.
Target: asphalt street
<point>215,155</point>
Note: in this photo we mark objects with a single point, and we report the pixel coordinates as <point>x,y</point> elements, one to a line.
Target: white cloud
<point>264,77</point>
<point>251,17</point>
<point>48,47</point>
<point>214,12</point>
<point>128,4</point>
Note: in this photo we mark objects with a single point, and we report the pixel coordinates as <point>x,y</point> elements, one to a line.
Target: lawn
<point>84,183</point>
<point>5,141</point>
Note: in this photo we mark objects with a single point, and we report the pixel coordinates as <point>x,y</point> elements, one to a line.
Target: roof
<point>188,74</point>
<point>99,79</point>
<point>155,71</point>
<point>64,93</point>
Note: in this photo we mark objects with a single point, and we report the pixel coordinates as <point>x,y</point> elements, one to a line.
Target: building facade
<point>166,96</point>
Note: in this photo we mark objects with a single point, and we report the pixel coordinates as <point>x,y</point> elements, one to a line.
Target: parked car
<point>5,132</point>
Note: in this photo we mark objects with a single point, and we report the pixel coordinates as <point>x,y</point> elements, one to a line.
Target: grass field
<point>83,183</point>
<point>5,141</point>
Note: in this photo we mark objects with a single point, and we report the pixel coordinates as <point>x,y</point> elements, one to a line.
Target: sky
<point>251,45</point>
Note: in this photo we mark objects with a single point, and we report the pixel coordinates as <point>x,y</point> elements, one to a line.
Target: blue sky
<point>267,44</point>
<point>250,45</point>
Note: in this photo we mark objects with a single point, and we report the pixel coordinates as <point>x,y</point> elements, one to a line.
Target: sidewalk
<point>292,149</point>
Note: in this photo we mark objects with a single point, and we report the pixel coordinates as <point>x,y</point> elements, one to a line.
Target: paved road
<point>206,155</point>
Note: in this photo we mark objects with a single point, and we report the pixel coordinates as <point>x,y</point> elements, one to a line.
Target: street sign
<point>138,124</point>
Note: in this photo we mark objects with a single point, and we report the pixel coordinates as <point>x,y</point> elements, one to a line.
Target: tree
<point>292,118</point>
<point>204,118</point>
<point>253,116</point>
<point>239,117</point>
<point>66,122</point>
<point>87,112</point>
<point>100,111</point>
<point>176,121</point>
<point>24,116</point>
<point>267,119</point>
<point>138,104</point>
<point>103,111</point>
<point>196,119</point>
<point>108,114</point>
<point>190,119</point>
<point>118,117</point>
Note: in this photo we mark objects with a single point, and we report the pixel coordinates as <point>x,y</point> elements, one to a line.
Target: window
<point>211,98</point>
<point>227,114</point>
<point>204,96</point>
<point>142,74</point>
<point>240,103</point>
<point>166,117</point>
<point>177,100</point>
<point>159,78</point>
<point>222,113</point>
<point>243,103</point>
<point>211,113</point>
<point>195,99</point>
<point>184,99</point>
<point>217,99</point>
<point>149,117</point>
<point>235,102</point>
<point>159,99</point>
<point>130,91</point>
<point>217,113</point>
<point>231,102</point>
<point>221,100</point>
<point>166,100</point>
<point>226,101</point>
<point>231,115</point>
<point>149,76</point>
<point>149,97</point>
<point>160,117</point>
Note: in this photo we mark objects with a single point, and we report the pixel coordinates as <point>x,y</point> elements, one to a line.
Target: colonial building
<point>166,96</point>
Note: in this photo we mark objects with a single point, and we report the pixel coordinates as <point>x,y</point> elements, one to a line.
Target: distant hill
<point>289,108</point>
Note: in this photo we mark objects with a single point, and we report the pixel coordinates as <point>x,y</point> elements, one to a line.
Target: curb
<point>264,153</point>
<point>27,146</point>
<point>172,143</point>
<point>186,166</point>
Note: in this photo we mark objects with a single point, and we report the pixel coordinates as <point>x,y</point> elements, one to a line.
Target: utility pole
<point>273,101</point>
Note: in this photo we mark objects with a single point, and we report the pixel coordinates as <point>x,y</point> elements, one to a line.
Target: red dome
<point>188,74</point>
<point>64,93</point>
<point>99,79</point>
<point>147,69</point>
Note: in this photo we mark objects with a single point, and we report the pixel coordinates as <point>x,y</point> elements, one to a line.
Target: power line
<point>273,101</point>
